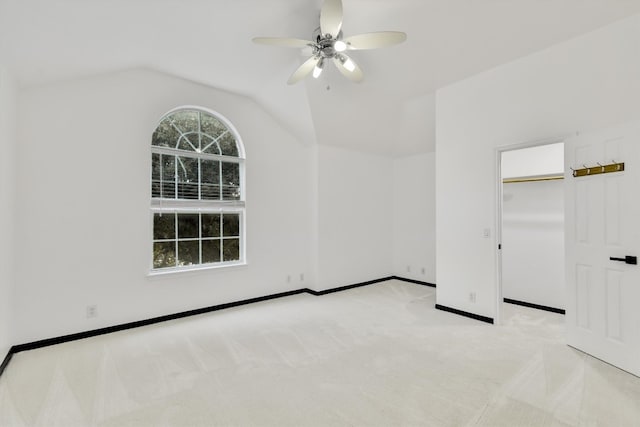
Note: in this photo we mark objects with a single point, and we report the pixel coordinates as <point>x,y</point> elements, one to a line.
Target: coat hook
<point>598,169</point>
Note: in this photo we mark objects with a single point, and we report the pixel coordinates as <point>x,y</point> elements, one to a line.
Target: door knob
<point>633,260</point>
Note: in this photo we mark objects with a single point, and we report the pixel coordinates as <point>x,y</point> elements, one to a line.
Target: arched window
<point>197,191</point>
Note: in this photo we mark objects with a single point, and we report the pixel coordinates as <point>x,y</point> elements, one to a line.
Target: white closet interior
<point>533,225</point>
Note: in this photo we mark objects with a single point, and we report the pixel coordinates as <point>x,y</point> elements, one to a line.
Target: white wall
<point>355,217</point>
<point>7,205</point>
<point>84,195</point>
<point>545,159</point>
<point>414,228</point>
<point>533,243</point>
<point>587,83</point>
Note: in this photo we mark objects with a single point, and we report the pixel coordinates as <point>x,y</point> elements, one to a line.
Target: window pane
<point>231,249</point>
<point>188,226</point>
<point>230,181</point>
<point>209,145</point>
<point>210,251</point>
<point>155,175</point>
<point>210,172</point>
<point>188,252</point>
<point>188,142</point>
<point>187,178</point>
<point>165,135</point>
<point>164,254</point>
<point>210,192</point>
<point>230,192</point>
<point>211,125</point>
<point>186,121</point>
<point>156,167</point>
<point>167,176</point>
<point>164,226</point>
<point>231,225</point>
<point>228,145</point>
<point>211,225</point>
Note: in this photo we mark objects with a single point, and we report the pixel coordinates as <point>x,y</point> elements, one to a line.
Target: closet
<point>533,226</point>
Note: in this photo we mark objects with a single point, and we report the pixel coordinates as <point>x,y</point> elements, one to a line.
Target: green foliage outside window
<point>189,239</point>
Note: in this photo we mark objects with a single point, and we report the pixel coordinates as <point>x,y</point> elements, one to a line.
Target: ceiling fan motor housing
<point>325,44</point>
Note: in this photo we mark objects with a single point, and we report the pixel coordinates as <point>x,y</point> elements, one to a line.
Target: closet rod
<point>533,179</point>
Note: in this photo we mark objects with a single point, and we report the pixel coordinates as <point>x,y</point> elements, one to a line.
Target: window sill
<point>172,271</point>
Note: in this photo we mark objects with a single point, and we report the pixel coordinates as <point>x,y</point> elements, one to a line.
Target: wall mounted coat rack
<point>597,170</point>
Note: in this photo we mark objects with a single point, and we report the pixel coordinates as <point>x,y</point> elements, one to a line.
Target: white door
<point>603,221</point>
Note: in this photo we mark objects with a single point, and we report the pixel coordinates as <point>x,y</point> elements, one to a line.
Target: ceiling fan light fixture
<point>348,63</point>
<point>340,46</point>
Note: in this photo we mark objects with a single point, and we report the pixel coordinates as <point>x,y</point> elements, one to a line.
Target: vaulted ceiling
<point>209,41</point>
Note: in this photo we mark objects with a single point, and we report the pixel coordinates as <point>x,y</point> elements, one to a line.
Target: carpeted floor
<point>380,355</point>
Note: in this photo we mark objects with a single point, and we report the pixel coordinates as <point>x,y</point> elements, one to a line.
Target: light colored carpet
<point>379,355</point>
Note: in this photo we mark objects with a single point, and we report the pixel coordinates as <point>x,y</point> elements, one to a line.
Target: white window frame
<point>193,206</point>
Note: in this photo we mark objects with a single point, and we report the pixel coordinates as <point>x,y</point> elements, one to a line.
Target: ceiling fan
<point>329,45</point>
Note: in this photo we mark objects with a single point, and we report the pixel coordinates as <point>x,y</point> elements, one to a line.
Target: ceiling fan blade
<point>348,68</point>
<point>282,42</point>
<point>375,40</point>
<point>331,17</point>
<point>304,70</point>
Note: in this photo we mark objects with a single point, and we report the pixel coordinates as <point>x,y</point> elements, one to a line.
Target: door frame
<point>499,206</point>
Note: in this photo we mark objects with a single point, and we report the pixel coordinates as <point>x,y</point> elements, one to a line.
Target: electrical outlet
<point>302,277</point>
<point>408,269</point>
<point>424,271</point>
<point>92,311</point>
<point>472,297</point>
<point>288,278</point>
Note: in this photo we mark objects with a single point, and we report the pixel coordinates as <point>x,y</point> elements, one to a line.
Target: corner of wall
<point>414,217</point>
<point>8,101</point>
